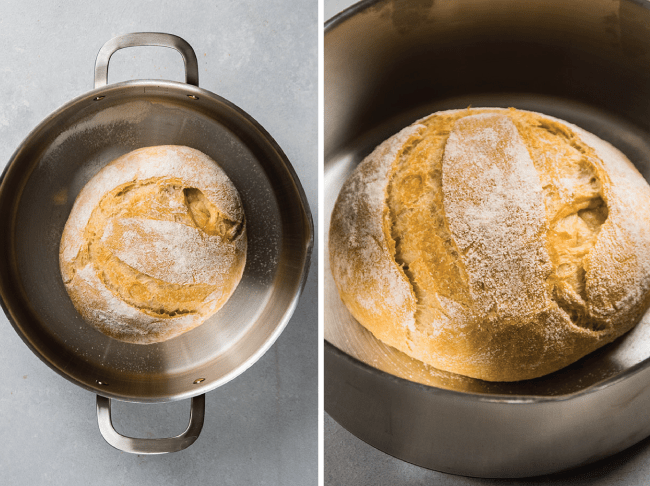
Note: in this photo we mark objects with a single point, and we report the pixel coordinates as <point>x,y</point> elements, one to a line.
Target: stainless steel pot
<point>39,186</point>
<point>390,62</point>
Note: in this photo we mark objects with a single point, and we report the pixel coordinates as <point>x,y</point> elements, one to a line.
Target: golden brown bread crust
<point>497,244</point>
<point>155,244</point>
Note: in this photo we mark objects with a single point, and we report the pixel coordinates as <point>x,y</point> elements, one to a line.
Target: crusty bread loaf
<point>155,244</point>
<point>497,244</point>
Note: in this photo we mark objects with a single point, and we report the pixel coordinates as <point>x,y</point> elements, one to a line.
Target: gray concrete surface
<point>351,462</point>
<point>260,428</point>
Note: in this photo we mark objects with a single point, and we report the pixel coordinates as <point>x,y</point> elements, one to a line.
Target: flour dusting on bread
<point>154,245</point>
<point>495,243</point>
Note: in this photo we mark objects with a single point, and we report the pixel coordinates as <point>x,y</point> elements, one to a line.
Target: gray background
<point>260,428</point>
<point>349,461</point>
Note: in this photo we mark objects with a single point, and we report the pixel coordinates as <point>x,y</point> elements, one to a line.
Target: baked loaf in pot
<point>155,244</point>
<point>497,244</point>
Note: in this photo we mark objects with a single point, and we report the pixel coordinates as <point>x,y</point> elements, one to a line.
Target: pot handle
<point>150,446</point>
<point>138,39</point>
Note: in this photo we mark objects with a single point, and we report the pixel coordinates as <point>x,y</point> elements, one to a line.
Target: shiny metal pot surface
<point>40,184</point>
<point>390,62</point>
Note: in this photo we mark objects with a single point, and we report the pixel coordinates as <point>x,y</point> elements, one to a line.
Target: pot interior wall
<point>397,60</point>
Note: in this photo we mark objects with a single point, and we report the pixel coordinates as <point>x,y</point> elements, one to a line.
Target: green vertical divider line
<point>320,252</point>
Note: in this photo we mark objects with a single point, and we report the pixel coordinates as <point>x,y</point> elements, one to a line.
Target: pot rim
<point>478,397</point>
<point>353,9</point>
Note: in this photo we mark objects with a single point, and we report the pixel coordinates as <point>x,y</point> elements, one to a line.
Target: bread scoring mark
<point>423,245</point>
<point>208,218</point>
<point>144,288</point>
<point>168,250</point>
<point>413,186</point>
<point>576,210</point>
<point>369,281</point>
<point>161,199</point>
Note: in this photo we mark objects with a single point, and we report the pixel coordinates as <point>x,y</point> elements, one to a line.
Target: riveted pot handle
<point>150,446</point>
<point>138,39</point>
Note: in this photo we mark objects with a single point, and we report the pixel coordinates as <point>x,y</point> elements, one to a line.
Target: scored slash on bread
<point>498,244</point>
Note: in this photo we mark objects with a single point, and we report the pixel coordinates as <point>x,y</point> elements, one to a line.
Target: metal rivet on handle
<point>199,380</point>
<point>98,98</point>
<point>193,97</point>
<point>102,383</point>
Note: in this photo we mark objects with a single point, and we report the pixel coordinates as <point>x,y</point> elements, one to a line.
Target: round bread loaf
<point>155,244</point>
<point>497,244</point>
